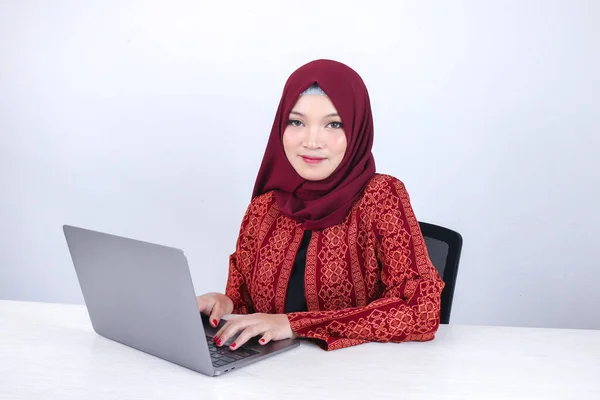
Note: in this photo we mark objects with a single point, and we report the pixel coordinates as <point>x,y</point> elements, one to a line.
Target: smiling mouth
<point>312,160</point>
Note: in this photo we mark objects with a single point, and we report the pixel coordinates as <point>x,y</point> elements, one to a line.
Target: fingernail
<point>233,346</point>
<point>262,340</point>
<point>215,339</point>
<point>220,342</point>
<point>214,322</point>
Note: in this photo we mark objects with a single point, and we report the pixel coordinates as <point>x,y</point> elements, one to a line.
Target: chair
<point>444,246</point>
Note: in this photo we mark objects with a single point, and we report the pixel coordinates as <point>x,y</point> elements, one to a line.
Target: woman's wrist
<point>294,334</point>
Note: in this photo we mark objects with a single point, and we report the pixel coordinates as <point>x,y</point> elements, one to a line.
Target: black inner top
<point>295,300</point>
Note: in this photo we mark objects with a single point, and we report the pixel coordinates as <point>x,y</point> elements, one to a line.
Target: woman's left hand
<point>270,326</point>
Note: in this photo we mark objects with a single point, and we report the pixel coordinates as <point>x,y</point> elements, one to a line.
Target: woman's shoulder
<point>383,193</point>
<point>260,205</point>
<point>268,197</point>
<point>382,185</point>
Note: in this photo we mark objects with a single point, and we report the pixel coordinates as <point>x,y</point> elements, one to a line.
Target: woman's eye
<point>294,122</point>
<point>335,125</point>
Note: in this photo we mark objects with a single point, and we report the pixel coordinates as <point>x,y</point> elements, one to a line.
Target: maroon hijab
<point>321,204</point>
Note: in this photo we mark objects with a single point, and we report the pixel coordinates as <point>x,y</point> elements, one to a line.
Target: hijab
<point>321,204</point>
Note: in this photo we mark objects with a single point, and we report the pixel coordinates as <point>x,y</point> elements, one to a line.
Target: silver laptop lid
<point>141,295</point>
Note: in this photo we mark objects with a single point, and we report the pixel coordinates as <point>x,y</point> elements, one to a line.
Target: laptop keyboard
<point>221,356</point>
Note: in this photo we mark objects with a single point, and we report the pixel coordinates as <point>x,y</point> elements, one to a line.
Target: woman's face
<point>314,139</point>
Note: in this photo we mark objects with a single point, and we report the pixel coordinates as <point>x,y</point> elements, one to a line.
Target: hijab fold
<point>321,204</point>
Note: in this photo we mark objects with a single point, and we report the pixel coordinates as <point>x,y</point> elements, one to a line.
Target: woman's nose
<point>314,139</point>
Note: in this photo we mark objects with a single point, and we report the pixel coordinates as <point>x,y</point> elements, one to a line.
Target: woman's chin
<point>313,174</point>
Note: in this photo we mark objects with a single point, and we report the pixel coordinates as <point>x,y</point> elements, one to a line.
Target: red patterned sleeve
<point>409,308</point>
<point>239,262</point>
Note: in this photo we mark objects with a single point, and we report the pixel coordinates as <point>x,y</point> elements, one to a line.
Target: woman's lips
<point>312,160</point>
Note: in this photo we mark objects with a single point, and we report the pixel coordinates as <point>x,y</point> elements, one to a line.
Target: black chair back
<point>444,246</point>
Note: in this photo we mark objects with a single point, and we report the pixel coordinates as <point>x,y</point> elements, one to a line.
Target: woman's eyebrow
<point>326,116</point>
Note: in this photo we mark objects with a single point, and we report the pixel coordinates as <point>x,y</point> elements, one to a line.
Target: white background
<point>149,120</point>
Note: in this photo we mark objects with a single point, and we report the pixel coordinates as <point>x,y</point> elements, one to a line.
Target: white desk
<point>49,351</point>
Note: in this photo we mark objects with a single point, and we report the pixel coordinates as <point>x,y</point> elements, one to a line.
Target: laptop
<point>141,295</point>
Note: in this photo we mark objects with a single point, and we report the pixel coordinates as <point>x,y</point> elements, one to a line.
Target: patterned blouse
<point>368,278</point>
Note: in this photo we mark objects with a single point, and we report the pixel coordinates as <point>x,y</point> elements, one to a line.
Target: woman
<point>327,249</point>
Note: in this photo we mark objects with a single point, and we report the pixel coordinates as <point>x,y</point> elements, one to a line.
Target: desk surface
<point>50,351</point>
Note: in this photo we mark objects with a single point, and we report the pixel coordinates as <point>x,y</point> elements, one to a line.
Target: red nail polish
<point>220,342</point>
<point>215,339</point>
<point>233,346</point>
<point>214,321</point>
<point>262,340</point>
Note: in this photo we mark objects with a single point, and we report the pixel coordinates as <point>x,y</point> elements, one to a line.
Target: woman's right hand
<point>215,305</point>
